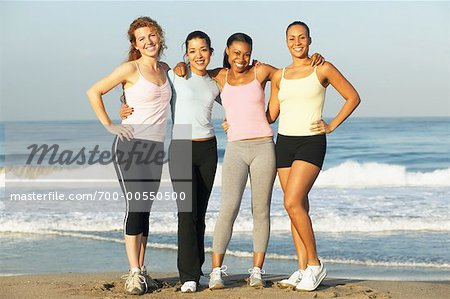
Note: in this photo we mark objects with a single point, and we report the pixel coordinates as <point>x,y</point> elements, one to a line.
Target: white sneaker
<point>135,283</point>
<point>151,284</point>
<point>255,279</point>
<point>312,277</point>
<point>203,281</point>
<point>215,278</point>
<point>292,281</point>
<point>189,287</point>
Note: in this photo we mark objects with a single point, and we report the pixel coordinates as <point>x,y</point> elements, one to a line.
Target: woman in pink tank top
<point>146,86</point>
<point>249,153</point>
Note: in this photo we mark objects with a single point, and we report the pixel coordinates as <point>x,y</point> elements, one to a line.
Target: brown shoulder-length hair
<point>140,22</point>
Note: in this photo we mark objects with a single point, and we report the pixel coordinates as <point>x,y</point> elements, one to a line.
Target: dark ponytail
<point>298,23</point>
<point>236,37</point>
<point>198,34</point>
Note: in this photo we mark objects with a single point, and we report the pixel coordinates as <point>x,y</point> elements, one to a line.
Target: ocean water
<point>380,207</point>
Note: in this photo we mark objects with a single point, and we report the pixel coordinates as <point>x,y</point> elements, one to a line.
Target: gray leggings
<point>257,158</point>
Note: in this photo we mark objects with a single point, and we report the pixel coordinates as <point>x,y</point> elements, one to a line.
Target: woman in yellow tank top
<point>297,97</point>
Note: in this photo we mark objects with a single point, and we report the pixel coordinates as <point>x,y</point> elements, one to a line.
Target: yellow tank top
<point>301,103</point>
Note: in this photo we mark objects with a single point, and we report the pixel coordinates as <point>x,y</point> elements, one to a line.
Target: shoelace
<point>254,271</point>
<point>131,276</point>
<point>125,276</point>
<point>151,282</point>
<point>145,274</point>
<point>216,273</point>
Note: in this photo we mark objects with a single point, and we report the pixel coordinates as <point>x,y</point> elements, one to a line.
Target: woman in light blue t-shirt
<point>191,105</point>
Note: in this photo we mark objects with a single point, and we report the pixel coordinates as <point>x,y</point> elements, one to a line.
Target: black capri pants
<point>138,164</point>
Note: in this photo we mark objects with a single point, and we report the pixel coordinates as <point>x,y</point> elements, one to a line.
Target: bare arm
<point>273,108</point>
<point>270,71</point>
<point>265,72</point>
<point>96,91</point>
<point>219,75</point>
<point>213,73</point>
<point>331,75</point>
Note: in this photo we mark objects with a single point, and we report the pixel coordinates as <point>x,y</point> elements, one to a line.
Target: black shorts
<point>306,148</point>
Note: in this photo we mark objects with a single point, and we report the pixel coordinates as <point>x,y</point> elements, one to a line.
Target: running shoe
<point>312,277</point>
<point>151,283</point>
<point>135,283</point>
<point>189,287</point>
<point>292,281</point>
<point>255,280</point>
<point>215,278</point>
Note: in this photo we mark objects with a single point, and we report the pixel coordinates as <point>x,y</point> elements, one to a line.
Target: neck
<point>301,61</point>
<point>198,72</point>
<point>151,62</point>
<point>237,74</point>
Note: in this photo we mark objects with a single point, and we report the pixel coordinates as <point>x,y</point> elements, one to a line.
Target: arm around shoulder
<point>273,108</point>
<point>268,71</point>
<point>215,72</point>
<point>165,66</point>
<point>219,75</point>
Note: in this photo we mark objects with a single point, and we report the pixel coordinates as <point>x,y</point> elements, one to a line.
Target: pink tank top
<point>150,103</point>
<point>245,110</point>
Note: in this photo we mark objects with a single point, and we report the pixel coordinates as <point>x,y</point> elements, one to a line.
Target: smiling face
<point>147,41</point>
<point>298,41</point>
<point>199,55</point>
<point>239,54</point>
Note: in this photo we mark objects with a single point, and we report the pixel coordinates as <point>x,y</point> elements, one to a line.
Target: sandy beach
<point>109,285</point>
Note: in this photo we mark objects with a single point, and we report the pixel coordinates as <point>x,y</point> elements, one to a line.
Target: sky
<point>396,54</point>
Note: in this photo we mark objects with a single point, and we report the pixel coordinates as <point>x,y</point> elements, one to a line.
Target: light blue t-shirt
<point>192,102</point>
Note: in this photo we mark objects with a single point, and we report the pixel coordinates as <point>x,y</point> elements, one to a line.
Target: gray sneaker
<point>292,281</point>
<point>135,283</point>
<point>215,278</point>
<point>151,284</point>
<point>255,280</point>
